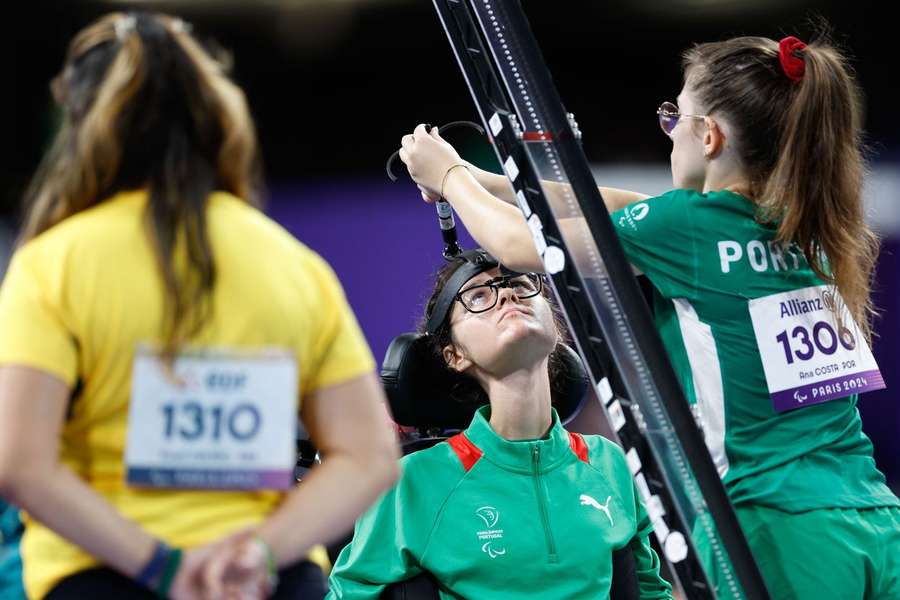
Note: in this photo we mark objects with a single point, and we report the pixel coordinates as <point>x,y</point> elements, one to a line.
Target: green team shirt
<point>505,520</point>
<point>707,258</point>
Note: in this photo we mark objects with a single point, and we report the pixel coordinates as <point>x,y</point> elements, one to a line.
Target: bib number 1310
<point>213,419</point>
<point>193,421</point>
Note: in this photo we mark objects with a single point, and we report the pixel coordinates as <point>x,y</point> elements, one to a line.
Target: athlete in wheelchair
<point>514,506</point>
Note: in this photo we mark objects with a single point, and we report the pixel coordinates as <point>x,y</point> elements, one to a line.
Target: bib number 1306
<point>812,351</point>
<point>804,342</point>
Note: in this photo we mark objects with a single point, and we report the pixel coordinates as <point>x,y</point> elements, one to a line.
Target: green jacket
<point>491,518</point>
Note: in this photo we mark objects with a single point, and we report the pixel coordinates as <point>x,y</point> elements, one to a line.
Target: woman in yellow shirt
<point>159,337</point>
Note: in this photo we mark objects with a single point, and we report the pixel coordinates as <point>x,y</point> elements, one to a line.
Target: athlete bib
<point>807,358</point>
<point>215,420</point>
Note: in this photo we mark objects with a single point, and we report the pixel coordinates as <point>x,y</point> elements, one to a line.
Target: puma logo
<point>588,501</point>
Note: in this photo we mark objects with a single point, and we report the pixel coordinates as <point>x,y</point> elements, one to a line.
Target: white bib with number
<point>808,358</point>
<point>216,420</point>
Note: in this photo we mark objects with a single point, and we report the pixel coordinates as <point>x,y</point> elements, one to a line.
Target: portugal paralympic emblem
<point>489,515</point>
<point>639,211</point>
<point>490,537</point>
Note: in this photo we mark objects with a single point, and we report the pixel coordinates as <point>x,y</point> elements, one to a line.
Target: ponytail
<point>797,112</point>
<point>814,192</point>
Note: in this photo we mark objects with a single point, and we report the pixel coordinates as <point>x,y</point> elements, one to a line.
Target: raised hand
<point>428,157</point>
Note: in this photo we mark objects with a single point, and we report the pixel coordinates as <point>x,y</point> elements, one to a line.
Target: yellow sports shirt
<point>78,299</point>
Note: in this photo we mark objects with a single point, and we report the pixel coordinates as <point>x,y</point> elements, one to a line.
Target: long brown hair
<point>801,143</point>
<point>145,106</point>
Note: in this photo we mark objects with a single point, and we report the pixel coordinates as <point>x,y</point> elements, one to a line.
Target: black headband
<point>475,262</point>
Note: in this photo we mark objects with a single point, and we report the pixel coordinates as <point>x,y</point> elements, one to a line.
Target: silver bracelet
<point>444,180</point>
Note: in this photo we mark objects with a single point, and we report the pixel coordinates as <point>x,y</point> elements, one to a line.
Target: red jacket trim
<point>467,452</point>
<point>576,442</point>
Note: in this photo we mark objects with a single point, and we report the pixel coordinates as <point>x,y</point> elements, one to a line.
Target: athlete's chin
<point>526,334</point>
<point>516,326</point>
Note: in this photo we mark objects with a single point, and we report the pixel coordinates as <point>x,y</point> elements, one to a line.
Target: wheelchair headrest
<point>420,388</point>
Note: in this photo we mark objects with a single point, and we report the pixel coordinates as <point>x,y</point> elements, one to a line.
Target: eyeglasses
<point>483,297</point>
<point>669,115</point>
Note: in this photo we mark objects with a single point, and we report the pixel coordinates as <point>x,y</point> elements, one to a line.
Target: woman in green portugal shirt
<point>761,264</point>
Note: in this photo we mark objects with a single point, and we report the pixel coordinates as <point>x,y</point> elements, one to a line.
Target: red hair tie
<point>791,60</point>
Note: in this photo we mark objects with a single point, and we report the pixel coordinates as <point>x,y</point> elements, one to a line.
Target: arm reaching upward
<point>484,201</point>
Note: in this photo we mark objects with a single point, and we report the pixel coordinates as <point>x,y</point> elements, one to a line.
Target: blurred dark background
<point>334,84</point>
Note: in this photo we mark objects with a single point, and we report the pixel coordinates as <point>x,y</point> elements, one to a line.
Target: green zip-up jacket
<point>491,518</point>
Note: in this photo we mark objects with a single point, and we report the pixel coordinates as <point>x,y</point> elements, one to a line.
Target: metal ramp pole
<point>536,140</point>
